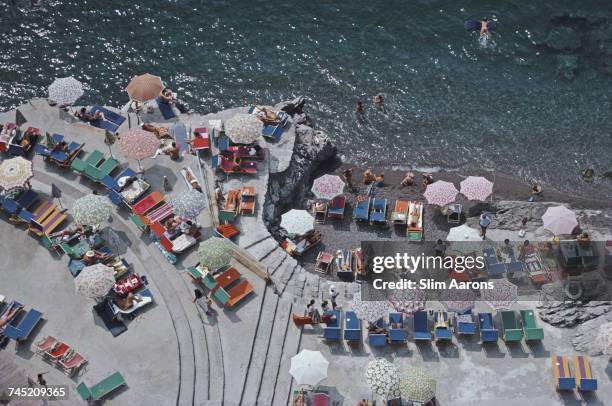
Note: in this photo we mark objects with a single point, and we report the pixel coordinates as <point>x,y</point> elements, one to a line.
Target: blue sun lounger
<point>25,327</point>
<point>513,267</point>
<point>180,136</point>
<point>11,307</point>
<point>464,324</point>
<point>275,132</point>
<point>362,211</point>
<point>109,115</point>
<point>352,329</point>
<point>379,211</point>
<point>562,373</point>
<point>111,182</point>
<point>377,340</point>
<point>488,332</point>
<point>494,267</point>
<point>165,109</point>
<point>397,332</point>
<point>442,331</point>
<point>421,330</point>
<point>333,329</point>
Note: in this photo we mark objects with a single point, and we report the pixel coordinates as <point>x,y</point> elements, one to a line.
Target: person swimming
<point>484,27</point>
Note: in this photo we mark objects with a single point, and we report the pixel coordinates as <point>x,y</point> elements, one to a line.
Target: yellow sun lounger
<point>584,376</point>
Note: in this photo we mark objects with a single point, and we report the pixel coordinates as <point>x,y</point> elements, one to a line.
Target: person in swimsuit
<point>484,27</point>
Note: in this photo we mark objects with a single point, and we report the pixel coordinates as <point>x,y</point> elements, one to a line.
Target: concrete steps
<point>291,346</point>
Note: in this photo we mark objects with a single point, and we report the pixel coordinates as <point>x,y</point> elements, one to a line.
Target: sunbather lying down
<point>160,132</point>
<point>6,318</point>
<point>125,302</point>
<point>85,115</point>
<point>265,115</point>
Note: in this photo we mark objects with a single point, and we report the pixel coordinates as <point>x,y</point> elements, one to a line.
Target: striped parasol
<point>476,188</point>
<point>458,300</point>
<point>188,204</point>
<point>215,253</point>
<point>503,295</point>
<point>15,173</point>
<point>408,301</point>
<point>559,220</point>
<point>95,281</point>
<point>383,378</point>
<point>144,87</point>
<point>91,210</point>
<point>243,128</point>
<point>297,222</point>
<point>138,144</point>
<point>418,385</point>
<point>327,187</point>
<point>65,90</point>
<point>440,193</point>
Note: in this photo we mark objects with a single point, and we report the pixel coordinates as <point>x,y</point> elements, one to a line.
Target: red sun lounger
<point>147,203</point>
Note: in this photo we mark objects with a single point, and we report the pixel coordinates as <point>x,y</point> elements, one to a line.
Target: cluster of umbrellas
<point>441,193</point>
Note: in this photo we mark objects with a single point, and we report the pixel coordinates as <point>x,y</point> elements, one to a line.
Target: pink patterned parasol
<point>138,144</point>
<point>476,188</point>
<point>440,193</point>
<point>327,187</point>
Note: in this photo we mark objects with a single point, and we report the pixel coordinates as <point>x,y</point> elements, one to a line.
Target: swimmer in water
<point>484,27</point>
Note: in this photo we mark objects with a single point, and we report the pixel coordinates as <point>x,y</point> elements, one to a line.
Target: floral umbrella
<point>476,188</point>
<point>95,281</point>
<point>188,204</point>
<point>327,187</point>
<point>215,253</point>
<point>408,301</point>
<point>243,128</point>
<point>383,378</point>
<point>458,300</point>
<point>297,222</point>
<point>369,310</point>
<point>138,144</point>
<point>503,295</point>
<point>309,367</point>
<point>559,220</point>
<point>418,385</point>
<point>440,193</point>
<point>91,210</point>
<point>144,87</point>
<point>15,173</point>
<point>65,90</point>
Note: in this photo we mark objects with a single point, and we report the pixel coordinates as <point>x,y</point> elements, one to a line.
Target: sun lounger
<point>202,142</point>
<point>230,297</point>
<point>22,331</point>
<point>336,207</point>
<point>442,331</point>
<point>43,210</point>
<point>101,389</point>
<point>27,199</point>
<point>319,399</point>
<point>344,264</point>
<point>69,364</point>
<point>488,332</point>
<point>247,200</point>
<point>536,269</point>
<point>530,327</point>
<point>333,329</point>
<point>227,277</point>
<point>48,224</point>
<point>584,377</point>
<point>362,211</point>
<point>107,315</point>
<point>247,152</point>
<point>324,260</point>
<point>147,203</point>
<point>93,159</point>
<point>165,109</point>
<point>511,329</point>
<point>414,231</point>
<point>397,332</point>
<point>400,212</point>
<point>320,212</point>
<point>377,339</point>
<point>45,345</point>
<point>352,327</point>
<point>464,324</point>
<point>145,296</point>
<point>109,115</point>
<point>97,173</point>
<point>379,211</point>
<point>232,201</point>
<point>12,307</point>
<point>228,230</point>
<point>15,147</point>
<point>494,267</point>
<point>160,213</point>
<point>55,353</point>
<point>273,132</point>
<point>562,374</point>
<point>180,137</point>
<point>421,327</point>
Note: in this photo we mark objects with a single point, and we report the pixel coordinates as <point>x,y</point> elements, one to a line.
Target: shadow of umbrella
<point>335,396</point>
<point>117,240</point>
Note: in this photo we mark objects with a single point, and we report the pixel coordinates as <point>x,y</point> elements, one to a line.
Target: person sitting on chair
<point>60,146</point>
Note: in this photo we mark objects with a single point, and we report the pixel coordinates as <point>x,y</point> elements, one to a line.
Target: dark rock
<point>585,338</point>
<point>295,106</point>
<point>567,65</point>
<point>572,313</point>
<point>563,39</point>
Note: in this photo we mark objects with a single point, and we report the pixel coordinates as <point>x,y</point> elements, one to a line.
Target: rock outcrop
<point>570,313</point>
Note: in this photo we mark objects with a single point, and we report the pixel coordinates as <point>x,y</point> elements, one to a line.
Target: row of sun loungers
<point>60,355</point>
<point>405,213</point>
<point>562,373</point>
<point>61,158</point>
<point>19,326</point>
<point>239,202</point>
<point>40,215</point>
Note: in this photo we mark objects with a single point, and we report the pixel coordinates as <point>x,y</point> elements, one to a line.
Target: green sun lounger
<point>512,331</point>
<point>530,326</point>
<point>97,173</point>
<point>93,159</point>
<point>102,388</point>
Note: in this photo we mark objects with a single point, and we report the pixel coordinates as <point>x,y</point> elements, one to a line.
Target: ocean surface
<point>450,103</point>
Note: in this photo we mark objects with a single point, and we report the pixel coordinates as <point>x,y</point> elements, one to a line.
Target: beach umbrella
<point>65,90</point>
<point>308,367</point>
<point>503,295</point>
<point>369,310</point>
<point>463,233</point>
<point>440,193</point>
<point>327,187</point>
<point>243,128</point>
<point>188,204</point>
<point>215,253</point>
<point>15,173</point>
<point>476,188</point>
<point>95,281</point>
<point>144,87</point>
<point>138,144</point>
<point>91,210</point>
<point>458,300</point>
<point>297,222</point>
<point>417,385</point>
<point>559,220</point>
<point>383,378</point>
<point>407,301</point>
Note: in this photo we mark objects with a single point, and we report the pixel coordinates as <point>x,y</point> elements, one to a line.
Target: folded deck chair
<point>530,326</point>
<point>400,212</point>
<point>324,260</point>
<point>488,332</point>
<point>101,389</point>
<point>377,340</point>
<point>562,374</point>
<point>24,328</point>
<point>352,327</point>
<point>464,324</point>
<point>442,331</point>
<point>397,332</point>
<point>414,231</point>
<point>379,211</point>
<point>421,328</point>
<point>584,376</point>
<point>362,211</point>
<point>335,210</point>
<point>333,329</point>
<point>511,329</point>
<point>165,109</point>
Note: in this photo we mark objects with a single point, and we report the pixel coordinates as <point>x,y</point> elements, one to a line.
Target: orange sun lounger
<point>247,200</point>
<point>147,203</point>
<point>232,201</point>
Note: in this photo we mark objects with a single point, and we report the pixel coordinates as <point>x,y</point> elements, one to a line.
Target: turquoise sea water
<point>450,103</point>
